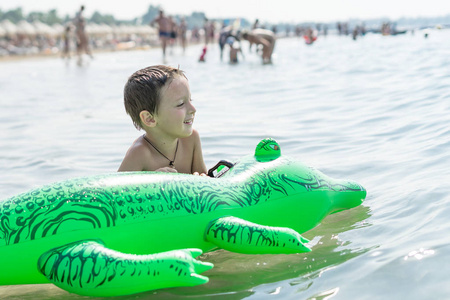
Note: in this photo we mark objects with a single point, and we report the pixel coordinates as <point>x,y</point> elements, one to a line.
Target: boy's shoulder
<point>136,158</point>
<point>193,139</point>
<point>138,152</point>
<point>195,134</point>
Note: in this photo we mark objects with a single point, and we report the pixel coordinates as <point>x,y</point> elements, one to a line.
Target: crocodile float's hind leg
<point>88,268</point>
<point>237,235</point>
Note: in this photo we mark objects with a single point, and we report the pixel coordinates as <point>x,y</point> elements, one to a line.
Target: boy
<point>158,101</point>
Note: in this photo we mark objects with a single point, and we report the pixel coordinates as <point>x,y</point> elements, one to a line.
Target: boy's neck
<point>163,144</point>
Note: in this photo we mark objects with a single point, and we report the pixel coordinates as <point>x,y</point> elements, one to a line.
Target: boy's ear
<point>147,118</point>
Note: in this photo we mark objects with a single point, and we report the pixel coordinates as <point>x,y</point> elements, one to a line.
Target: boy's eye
<point>180,104</point>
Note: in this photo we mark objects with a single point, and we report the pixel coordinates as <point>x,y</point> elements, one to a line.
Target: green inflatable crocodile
<point>126,233</point>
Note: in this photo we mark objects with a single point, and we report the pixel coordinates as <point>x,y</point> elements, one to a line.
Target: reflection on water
<point>373,110</point>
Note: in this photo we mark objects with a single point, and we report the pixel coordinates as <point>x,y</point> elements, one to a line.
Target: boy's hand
<point>167,169</point>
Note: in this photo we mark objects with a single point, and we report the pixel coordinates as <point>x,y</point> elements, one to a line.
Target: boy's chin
<point>187,133</point>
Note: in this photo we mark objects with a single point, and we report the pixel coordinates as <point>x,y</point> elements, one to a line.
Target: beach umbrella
<point>139,29</point>
<point>118,30</point>
<point>144,29</point>
<point>92,29</point>
<point>131,29</point>
<point>9,27</point>
<point>125,29</point>
<point>58,28</point>
<point>25,28</point>
<point>44,29</point>
<point>106,28</point>
<point>98,29</point>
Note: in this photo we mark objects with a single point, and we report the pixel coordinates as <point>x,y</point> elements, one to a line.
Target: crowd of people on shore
<point>79,39</point>
<point>229,36</point>
<point>28,39</point>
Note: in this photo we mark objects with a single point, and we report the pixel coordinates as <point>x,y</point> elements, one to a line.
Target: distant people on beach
<point>355,32</point>
<point>274,29</point>
<point>195,35</point>
<point>209,30</point>
<point>81,35</point>
<point>310,36</point>
<point>66,37</point>
<point>358,30</point>
<point>235,49</point>
<point>263,37</point>
<point>342,28</point>
<point>165,30</point>
<point>173,33</point>
<point>202,57</point>
<point>288,31</point>
<point>362,29</point>
<point>388,28</point>
<point>225,33</point>
<point>182,33</point>
<point>256,24</point>
<point>298,30</point>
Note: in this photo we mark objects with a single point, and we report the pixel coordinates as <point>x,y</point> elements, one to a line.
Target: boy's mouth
<point>189,122</point>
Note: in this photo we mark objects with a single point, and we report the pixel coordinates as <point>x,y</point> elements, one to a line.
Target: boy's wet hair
<point>143,88</point>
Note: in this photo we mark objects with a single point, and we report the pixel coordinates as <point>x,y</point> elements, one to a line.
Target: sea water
<point>376,110</point>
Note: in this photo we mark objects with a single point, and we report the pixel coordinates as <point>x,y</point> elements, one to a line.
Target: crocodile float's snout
<point>351,195</point>
<point>344,194</point>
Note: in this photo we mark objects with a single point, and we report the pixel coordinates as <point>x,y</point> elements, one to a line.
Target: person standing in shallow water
<point>158,100</point>
<point>165,30</point>
<point>82,38</point>
<point>182,33</point>
<point>66,42</point>
<point>263,37</point>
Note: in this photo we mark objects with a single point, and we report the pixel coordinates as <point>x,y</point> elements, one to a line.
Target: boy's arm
<point>198,164</point>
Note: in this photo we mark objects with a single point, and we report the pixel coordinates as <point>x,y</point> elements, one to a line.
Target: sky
<point>272,11</point>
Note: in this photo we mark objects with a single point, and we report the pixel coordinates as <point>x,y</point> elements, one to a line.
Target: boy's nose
<point>192,108</point>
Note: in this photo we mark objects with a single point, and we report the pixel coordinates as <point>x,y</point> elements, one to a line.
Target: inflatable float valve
<point>267,150</point>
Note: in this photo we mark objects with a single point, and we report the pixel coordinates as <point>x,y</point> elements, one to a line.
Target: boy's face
<point>175,114</point>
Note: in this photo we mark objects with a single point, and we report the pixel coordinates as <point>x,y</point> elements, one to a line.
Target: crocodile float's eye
<point>267,150</point>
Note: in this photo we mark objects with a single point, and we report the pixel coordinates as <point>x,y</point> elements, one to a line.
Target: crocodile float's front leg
<point>88,268</point>
<point>237,235</point>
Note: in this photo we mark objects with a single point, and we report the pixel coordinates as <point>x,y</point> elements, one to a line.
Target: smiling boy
<point>158,100</point>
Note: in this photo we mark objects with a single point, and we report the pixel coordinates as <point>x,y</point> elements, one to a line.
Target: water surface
<point>375,110</point>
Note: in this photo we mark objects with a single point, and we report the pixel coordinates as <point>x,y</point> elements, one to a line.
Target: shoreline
<point>123,46</point>
<point>14,58</point>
